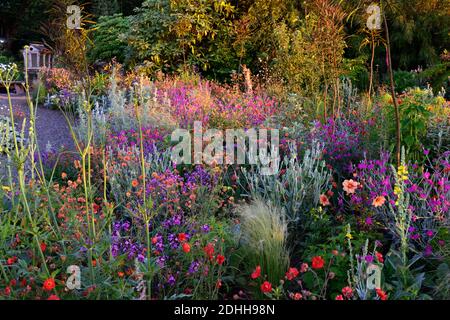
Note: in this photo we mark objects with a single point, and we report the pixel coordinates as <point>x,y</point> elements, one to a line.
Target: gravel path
<point>51,126</point>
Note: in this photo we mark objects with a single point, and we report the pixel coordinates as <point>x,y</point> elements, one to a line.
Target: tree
<point>109,39</point>
<point>105,7</point>
<point>171,34</point>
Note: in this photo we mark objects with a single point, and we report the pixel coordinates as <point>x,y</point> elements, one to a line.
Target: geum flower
<point>220,259</point>
<point>49,284</point>
<point>266,287</point>
<point>317,262</point>
<point>347,292</point>
<point>292,273</point>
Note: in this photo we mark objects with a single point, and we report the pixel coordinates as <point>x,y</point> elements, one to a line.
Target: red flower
<point>339,297</point>
<point>182,237</point>
<point>266,286</point>
<point>11,261</point>
<point>53,297</point>
<point>219,284</point>
<point>347,292</point>
<point>186,247</point>
<point>317,262</point>
<point>43,246</point>
<point>379,257</point>
<point>256,273</point>
<point>220,259</point>
<point>297,296</point>
<point>209,250</point>
<point>13,282</point>
<point>7,291</point>
<point>381,294</point>
<point>292,273</point>
<point>154,240</point>
<point>49,284</point>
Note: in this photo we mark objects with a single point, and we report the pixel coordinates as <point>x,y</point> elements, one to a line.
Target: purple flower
<point>428,251</point>
<point>194,267</point>
<point>171,280</point>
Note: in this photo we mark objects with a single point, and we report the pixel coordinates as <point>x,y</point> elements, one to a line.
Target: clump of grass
<point>264,233</point>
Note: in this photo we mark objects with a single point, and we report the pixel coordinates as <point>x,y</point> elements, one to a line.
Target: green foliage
<point>415,116</point>
<point>404,279</point>
<point>404,80</point>
<point>437,76</point>
<point>109,39</point>
<point>168,34</point>
<point>105,7</point>
<point>414,119</point>
<point>7,136</point>
<point>264,240</point>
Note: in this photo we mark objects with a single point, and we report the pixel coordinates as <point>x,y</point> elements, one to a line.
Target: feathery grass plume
<point>264,233</point>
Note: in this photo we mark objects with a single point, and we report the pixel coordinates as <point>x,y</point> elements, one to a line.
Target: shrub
<point>296,187</point>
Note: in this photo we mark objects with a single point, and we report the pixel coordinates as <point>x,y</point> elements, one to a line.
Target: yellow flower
<point>349,236</point>
<point>6,188</point>
<point>397,190</point>
<point>402,171</point>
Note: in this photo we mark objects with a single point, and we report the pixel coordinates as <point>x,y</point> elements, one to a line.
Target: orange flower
<point>134,183</point>
<point>350,186</point>
<point>324,200</point>
<point>378,201</point>
<point>49,284</point>
<point>120,274</point>
<point>64,176</point>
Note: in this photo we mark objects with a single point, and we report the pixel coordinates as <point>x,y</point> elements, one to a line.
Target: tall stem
<point>391,76</point>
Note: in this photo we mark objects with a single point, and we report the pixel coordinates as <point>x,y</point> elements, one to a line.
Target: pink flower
<point>304,267</point>
<point>347,292</point>
<point>350,186</point>
<point>324,200</point>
